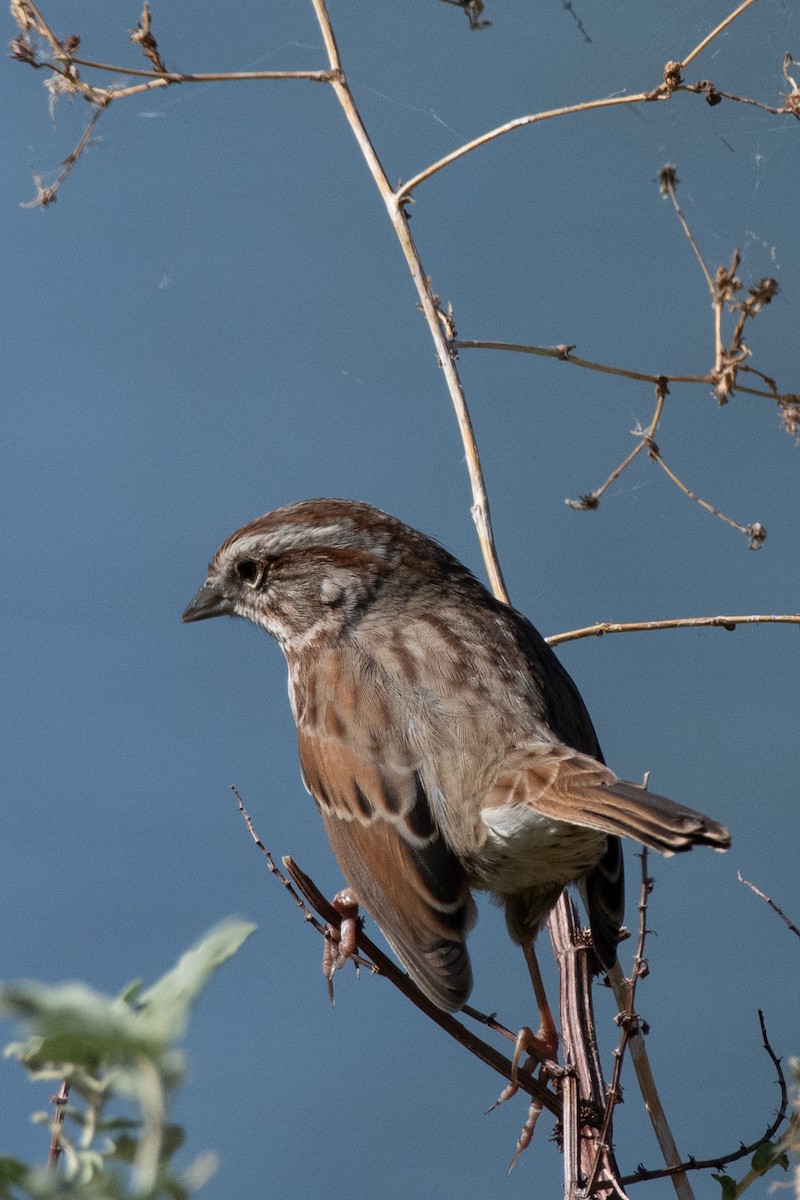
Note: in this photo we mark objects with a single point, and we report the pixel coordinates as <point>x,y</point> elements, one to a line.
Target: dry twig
<point>770,902</point>
<point>729,622</point>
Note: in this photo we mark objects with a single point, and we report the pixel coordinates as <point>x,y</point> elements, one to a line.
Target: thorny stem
<point>629,1025</point>
<point>379,963</point>
<point>60,1102</point>
<point>586,1149</point>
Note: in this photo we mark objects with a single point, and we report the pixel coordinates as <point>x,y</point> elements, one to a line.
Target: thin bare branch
<point>755,532</point>
<point>672,83</point>
<point>786,109</point>
<point>205,77</point>
<point>728,622</point>
<point>591,499</point>
<point>650,1095</point>
<point>668,182</point>
<point>404,192</point>
<point>700,47</point>
<point>770,902</point>
<point>441,331</point>
<point>563,353</point>
<point>49,194</point>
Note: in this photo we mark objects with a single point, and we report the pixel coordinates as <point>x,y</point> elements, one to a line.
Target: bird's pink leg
<point>544,1043</point>
<point>541,1048</point>
<point>340,944</point>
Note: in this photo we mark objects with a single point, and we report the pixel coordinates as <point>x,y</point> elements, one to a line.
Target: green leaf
<point>728,1185</point>
<point>72,1023</point>
<point>768,1155</point>
<point>168,1001</point>
<point>11,1171</point>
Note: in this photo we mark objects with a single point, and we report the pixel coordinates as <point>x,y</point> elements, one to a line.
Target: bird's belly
<point>524,849</point>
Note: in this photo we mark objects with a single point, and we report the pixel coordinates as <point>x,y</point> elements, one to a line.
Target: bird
<point>446,748</point>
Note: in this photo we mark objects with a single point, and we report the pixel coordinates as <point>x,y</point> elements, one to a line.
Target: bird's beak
<point>209,602</point>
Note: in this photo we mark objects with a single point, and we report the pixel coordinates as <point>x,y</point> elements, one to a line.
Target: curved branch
<point>724,1160</point>
<point>664,91</point>
<point>405,191</point>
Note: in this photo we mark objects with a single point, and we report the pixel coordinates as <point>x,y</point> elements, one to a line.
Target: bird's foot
<point>541,1049</point>
<point>526,1133</point>
<point>340,943</point>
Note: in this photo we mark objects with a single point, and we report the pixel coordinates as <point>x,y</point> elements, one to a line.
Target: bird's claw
<point>540,1049</point>
<point>340,943</point>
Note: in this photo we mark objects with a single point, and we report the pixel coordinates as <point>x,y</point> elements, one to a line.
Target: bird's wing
<point>365,780</point>
<point>563,785</point>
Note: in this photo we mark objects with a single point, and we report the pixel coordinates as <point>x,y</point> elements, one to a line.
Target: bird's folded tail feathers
<point>568,786</point>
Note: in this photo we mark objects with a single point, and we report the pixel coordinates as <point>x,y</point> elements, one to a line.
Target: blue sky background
<point>215,319</point>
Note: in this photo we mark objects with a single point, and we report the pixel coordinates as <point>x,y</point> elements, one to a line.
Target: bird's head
<point>306,571</point>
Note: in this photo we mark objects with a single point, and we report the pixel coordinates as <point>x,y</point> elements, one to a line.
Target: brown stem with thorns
<point>60,1102</point>
<point>589,1164</point>
<point>630,1026</point>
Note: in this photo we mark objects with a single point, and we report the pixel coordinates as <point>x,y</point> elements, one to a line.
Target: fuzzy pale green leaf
<point>168,1001</point>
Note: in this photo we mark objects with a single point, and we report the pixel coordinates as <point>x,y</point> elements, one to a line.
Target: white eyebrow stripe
<point>293,536</point>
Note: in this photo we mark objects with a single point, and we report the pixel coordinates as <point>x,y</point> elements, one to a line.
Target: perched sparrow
<point>445,746</point>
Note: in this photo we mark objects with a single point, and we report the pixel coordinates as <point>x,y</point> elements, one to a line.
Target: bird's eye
<point>250,571</point>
